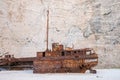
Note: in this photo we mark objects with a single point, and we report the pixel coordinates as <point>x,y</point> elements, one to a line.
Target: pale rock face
<point>82,23</point>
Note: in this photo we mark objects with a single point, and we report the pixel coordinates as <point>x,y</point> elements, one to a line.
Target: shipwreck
<point>57,60</point>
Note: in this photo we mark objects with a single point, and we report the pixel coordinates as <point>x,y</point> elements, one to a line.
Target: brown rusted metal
<point>10,62</point>
<point>59,60</point>
<point>47,30</point>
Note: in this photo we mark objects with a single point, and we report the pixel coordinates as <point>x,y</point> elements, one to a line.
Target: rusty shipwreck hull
<point>12,63</point>
<point>74,61</point>
<point>62,65</point>
<point>56,61</point>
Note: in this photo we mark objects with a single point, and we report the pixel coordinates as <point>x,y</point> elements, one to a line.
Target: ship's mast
<point>47,31</point>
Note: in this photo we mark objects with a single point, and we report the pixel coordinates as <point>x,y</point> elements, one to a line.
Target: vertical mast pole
<point>47,30</point>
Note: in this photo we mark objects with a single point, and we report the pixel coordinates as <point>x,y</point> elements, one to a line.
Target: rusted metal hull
<point>12,63</point>
<point>55,61</point>
<point>74,61</point>
<point>62,66</point>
